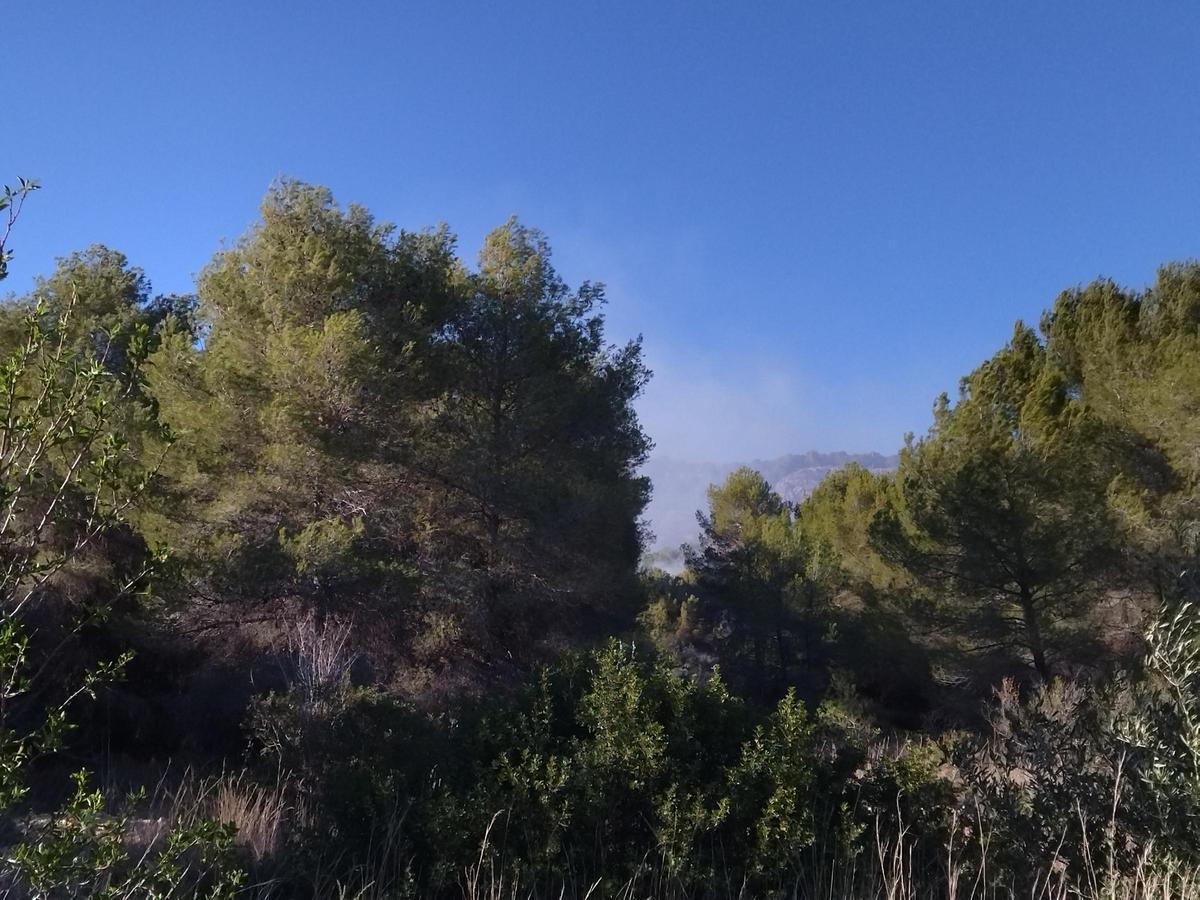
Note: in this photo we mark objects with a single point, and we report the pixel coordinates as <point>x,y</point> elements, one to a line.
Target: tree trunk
<point>781,648</point>
<point>1033,634</point>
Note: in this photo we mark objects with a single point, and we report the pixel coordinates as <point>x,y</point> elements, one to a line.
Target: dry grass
<point>891,867</point>
<point>263,815</point>
<point>890,870</point>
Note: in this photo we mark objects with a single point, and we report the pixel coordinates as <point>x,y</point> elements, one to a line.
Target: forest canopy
<point>362,522</point>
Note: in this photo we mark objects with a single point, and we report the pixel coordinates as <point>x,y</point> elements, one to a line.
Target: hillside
<point>335,566</point>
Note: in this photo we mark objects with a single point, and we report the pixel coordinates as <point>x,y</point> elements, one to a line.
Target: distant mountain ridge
<point>680,486</point>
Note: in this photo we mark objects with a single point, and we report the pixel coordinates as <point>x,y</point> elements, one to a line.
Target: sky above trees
<point>817,215</point>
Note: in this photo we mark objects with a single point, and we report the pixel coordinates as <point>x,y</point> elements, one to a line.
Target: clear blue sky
<point>819,215</point>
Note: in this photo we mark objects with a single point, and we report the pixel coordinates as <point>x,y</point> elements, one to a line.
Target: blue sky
<point>818,215</point>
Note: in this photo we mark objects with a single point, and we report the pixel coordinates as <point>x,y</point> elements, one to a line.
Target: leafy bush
<point>68,477</point>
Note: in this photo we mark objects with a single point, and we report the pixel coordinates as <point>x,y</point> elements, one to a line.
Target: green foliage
<point>68,478</point>
<point>1000,517</point>
<point>535,429</point>
<point>1159,729</point>
<point>750,573</point>
<point>1131,358</point>
<point>774,781</point>
<point>608,754</point>
<point>324,548</point>
<point>836,519</point>
<point>453,446</point>
<point>406,505</point>
<point>1049,774</point>
<point>82,851</point>
<point>12,200</point>
<point>608,767</point>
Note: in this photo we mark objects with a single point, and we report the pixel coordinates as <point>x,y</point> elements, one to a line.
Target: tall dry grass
<point>893,868</point>
<point>892,863</point>
<point>265,815</point>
